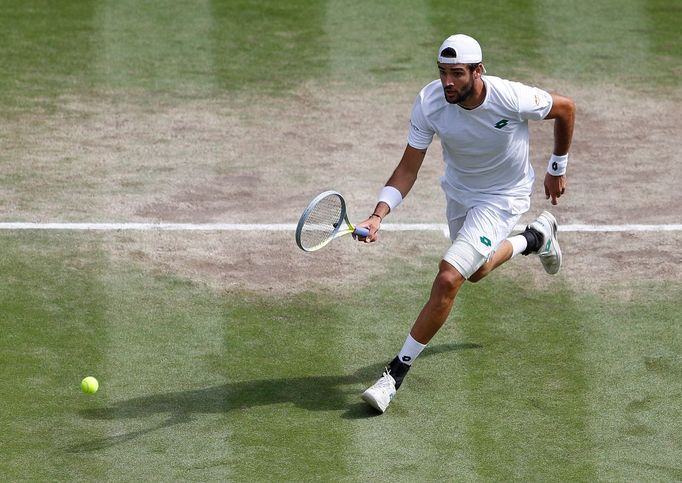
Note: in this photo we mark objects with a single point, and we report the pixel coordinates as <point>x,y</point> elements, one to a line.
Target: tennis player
<point>482,123</point>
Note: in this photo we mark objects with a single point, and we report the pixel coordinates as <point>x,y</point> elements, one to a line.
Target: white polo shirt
<point>485,149</point>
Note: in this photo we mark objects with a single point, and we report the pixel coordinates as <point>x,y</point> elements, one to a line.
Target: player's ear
<point>479,71</point>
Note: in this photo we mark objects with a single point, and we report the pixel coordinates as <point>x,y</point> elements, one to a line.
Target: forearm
<point>402,179</point>
<point>563,134</point>
<point>563,113</point>
<point>402,182</point>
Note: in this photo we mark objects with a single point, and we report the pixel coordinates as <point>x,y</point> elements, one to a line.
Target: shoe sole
<point>555,242</point>
<point>369,399</point>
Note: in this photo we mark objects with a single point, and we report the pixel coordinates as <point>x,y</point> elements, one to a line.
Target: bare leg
<point>432,317</point>
<point>436,311</point>
<point>502,254</point>
<point>444,290</point>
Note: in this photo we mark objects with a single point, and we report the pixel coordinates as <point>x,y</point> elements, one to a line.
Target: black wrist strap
<point>380,218</point>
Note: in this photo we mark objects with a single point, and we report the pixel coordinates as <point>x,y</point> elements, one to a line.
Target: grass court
<point>237,357</point>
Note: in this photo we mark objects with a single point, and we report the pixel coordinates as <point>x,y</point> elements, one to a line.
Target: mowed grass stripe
<point>508,32</point>
<point>53,321</point>
<point>288,387</point>
<point>164,358</point>
<point>310,422</point>
<point>363,48</point>
<point>616,39</point>
<point>633,342</point>
<point>155,344</point>
<point>155,46</point>
<point>526,387</point>
<point>419,438</point>
<point>169,369</point>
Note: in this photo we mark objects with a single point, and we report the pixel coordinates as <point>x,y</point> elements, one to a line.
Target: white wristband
<point>557,165</point>
<point>391,196</point>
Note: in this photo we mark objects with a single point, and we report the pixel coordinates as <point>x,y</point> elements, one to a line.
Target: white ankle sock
<point>519,244</point>
<point>411,349</point>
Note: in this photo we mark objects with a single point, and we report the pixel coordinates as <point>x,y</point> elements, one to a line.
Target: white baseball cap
<point>467,50</point>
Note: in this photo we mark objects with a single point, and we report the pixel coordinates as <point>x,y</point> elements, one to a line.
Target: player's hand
<point>372,224</point>
<point>555,186</point>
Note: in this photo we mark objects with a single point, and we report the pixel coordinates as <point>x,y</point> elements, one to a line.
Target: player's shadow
<point>314,393</point>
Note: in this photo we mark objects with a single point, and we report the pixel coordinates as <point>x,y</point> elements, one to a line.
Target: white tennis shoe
<point>550,252</point>
<point>380,394</point>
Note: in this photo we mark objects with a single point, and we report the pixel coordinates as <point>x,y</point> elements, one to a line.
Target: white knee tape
<point>464,257</point>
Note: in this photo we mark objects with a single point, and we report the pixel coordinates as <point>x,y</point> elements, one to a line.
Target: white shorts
<point>476,235</point>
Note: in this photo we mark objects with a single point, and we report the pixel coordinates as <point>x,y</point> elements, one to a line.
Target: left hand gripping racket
<point>324,219</point>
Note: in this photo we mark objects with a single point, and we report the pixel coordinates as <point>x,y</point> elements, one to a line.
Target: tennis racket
<point>324,219</point>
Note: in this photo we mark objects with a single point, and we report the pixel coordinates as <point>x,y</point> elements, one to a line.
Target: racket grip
<point>360,231</point>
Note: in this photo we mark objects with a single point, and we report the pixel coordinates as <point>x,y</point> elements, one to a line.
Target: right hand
<point>372,224</point>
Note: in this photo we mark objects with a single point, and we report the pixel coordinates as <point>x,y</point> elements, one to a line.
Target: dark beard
<point>464,95</point>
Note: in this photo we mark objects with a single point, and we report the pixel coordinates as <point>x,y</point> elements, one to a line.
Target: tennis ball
<point>89,385</point>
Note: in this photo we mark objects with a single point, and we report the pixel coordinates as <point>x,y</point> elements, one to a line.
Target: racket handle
<point>360,231</point>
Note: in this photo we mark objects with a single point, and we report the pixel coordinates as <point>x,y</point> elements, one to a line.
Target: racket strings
<point>321,222</point>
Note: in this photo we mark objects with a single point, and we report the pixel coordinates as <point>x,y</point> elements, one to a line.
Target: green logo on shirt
<point>486,241</point>
<point>501,123</point>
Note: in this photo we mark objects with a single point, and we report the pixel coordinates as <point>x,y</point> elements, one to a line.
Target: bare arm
<point>404,175</point>
<point>563,113</point>
<point>403,178</point>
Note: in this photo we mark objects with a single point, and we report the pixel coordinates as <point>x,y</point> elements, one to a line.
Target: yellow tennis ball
<point>89,385</point>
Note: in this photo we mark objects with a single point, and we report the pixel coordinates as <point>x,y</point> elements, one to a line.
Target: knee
<point>449,280</point>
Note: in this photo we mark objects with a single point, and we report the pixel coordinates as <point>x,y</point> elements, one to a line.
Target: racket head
<point>321,221</point>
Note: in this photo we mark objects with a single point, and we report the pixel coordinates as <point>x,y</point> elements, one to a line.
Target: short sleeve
<point>420,134</point>
<point>534,103</point>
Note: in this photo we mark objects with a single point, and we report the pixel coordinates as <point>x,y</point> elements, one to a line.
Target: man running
<point>482,123</point>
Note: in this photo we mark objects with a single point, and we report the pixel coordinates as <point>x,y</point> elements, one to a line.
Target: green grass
<point>196,384</point>
<point>184,48</point>
<point>521,383</point>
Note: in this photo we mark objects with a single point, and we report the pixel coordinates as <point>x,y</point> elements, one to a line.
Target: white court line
<point>149,226</point>
<point>442,227</point>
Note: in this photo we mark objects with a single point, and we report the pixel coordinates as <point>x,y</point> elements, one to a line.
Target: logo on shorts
<point>501,123</point>
<point>486,241</point>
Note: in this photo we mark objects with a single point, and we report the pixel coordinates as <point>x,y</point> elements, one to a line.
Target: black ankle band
<point>533,241</point>
<point>398,370</point>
